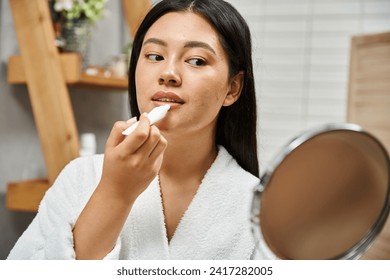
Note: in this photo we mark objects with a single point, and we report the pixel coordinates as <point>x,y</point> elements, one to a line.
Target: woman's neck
<point>188,156</point>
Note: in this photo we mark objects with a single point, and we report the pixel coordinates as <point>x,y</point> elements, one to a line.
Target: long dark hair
<point>236,127</point>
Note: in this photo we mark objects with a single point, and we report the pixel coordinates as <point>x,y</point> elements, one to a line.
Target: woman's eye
<point>196,61</point>
<point>154,57</point>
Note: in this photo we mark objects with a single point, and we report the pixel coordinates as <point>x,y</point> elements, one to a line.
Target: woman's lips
<point>162,98</point>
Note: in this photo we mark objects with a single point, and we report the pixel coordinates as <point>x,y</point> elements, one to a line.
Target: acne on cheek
<point>207,103</point>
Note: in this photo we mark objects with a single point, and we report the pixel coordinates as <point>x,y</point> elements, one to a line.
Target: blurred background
<point>301,61</point>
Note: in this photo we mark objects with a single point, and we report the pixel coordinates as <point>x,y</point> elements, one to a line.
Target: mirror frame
<point>358,249</point>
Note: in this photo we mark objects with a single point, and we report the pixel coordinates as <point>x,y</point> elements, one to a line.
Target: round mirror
<point>325,196</point>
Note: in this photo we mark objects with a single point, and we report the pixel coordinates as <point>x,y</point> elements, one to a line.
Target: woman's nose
<point>170,76</point>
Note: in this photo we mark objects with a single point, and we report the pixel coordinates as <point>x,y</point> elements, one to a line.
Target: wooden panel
<point>135,11</point>
<point>70,66</point>
<point>369,104</point>
<point>26,196</point>
<point>71,70</point>
<point>49,96</point>
<point>369,88</point>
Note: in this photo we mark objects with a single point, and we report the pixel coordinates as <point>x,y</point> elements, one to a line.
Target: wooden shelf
<point>71,69</point>
<point>102,81</point>
<point>26,195</point>
<point>48,74</point>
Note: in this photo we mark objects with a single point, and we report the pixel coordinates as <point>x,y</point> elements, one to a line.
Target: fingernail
<point>133,119</point>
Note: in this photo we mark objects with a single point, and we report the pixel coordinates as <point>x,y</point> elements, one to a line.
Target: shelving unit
<point>48,74</point>
<point>71,69</point>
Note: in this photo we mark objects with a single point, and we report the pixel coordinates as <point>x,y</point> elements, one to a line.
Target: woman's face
<point>183,64</point>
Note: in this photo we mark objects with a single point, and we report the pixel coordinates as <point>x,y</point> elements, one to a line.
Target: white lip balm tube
<point>154,116</point>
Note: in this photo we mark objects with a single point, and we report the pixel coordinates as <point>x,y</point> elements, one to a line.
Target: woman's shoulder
<point>78,179</point>
<point>84,169</point>
<point>226,169</point>
<point>227,163</point>
<point>82,160</point>
<point>91,161</point>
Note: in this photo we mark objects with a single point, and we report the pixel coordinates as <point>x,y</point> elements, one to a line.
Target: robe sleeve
<point>50,235</point>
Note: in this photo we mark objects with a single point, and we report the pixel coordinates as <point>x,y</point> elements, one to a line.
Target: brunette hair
<point>236,126</point>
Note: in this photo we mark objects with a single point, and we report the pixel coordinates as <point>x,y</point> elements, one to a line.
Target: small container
<point>118,66</point>
<point>87,144</point>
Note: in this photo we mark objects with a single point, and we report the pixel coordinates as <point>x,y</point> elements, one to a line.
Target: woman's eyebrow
<point>199,44</point>
<point>188,44</point>
<point>155,41</point>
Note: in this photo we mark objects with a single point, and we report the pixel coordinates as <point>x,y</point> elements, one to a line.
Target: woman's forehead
<point>183,27</point>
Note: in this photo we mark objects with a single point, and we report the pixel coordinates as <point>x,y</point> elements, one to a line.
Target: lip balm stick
<point>154,116</point>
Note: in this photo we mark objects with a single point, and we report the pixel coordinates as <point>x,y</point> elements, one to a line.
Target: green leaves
<point>93,10</point>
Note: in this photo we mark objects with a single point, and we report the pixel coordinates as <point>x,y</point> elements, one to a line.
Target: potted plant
<point>75,18</point>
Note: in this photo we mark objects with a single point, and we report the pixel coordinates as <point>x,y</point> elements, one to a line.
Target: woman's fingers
<point>145,143</point>
<point>116,136</point>
<point>158,149</point>
<point>152,142</point>
<point>131,162</point>
<point>138,137</point>
<point>131,121</point>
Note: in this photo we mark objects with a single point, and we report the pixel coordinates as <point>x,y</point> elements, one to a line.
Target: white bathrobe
<point>216,224</point>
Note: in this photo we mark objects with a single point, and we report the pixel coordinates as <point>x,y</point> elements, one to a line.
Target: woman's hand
<point>132,162</point>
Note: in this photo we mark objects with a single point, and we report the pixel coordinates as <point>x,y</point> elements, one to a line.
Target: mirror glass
<point>326,195</point>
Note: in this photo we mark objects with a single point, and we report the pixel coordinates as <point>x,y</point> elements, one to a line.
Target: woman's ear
<point>236,84</point>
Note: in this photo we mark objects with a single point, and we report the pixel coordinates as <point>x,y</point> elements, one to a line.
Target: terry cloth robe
<point>216,224</point>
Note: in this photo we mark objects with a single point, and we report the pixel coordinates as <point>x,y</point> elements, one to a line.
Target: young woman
<point>179,189</point>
